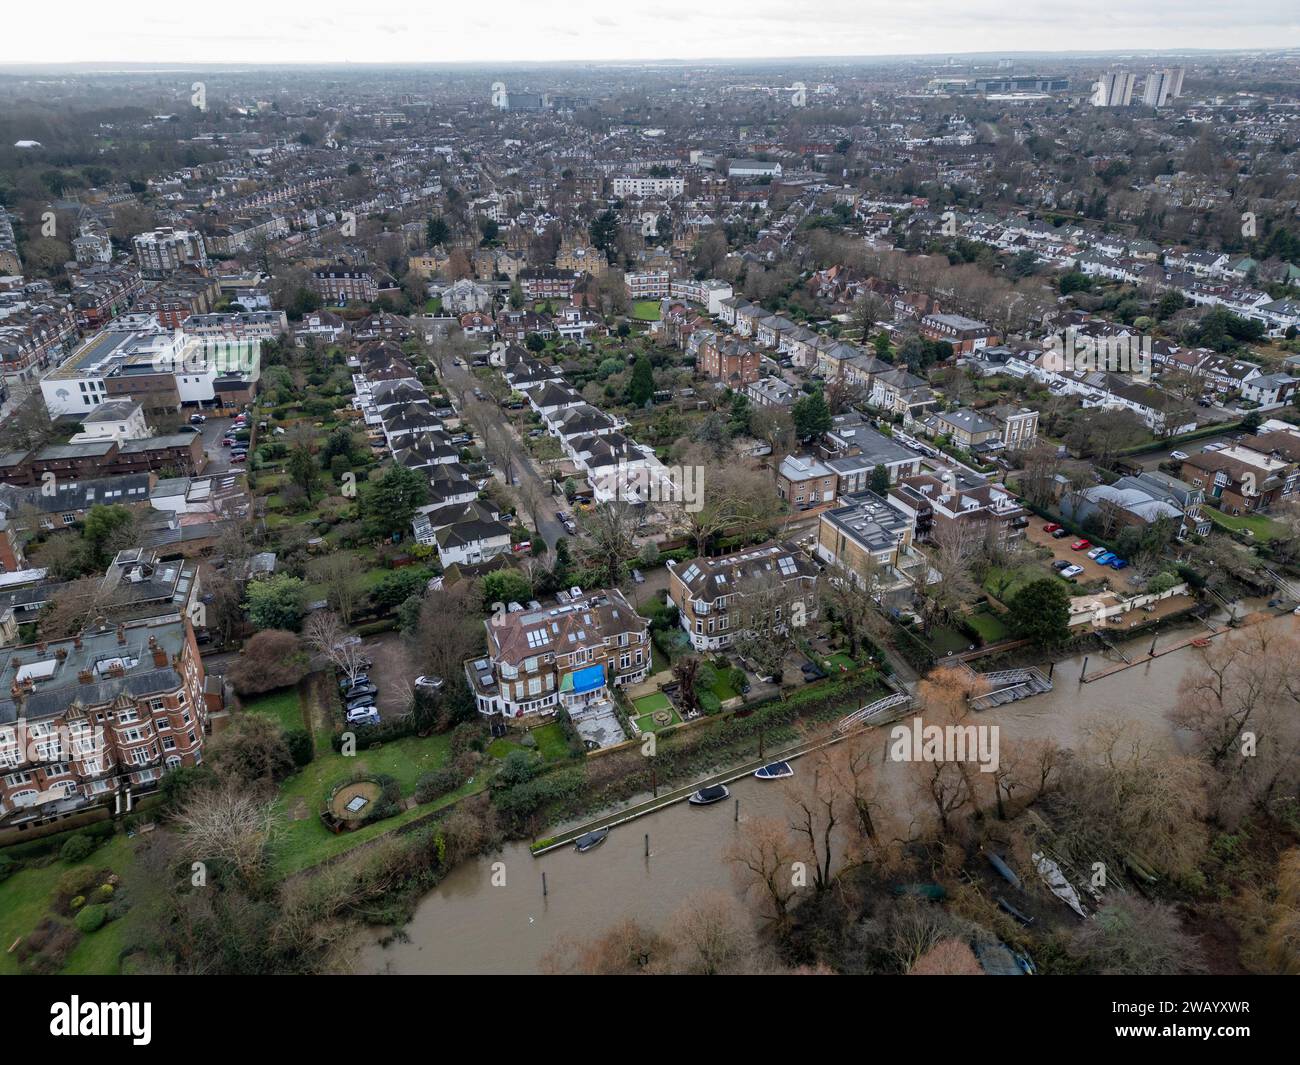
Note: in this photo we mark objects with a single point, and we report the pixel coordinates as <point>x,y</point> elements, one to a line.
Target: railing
<point>873,710</point>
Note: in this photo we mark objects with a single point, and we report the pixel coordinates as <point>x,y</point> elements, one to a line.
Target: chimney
<point>121,634</point>
<point>76,642</point>
<point>61,653</point>
<point>86,677</point>
<point>159,654</point>
<point>40,647</point>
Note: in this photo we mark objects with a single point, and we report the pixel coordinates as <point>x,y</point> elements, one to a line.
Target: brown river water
<point>489,916</point>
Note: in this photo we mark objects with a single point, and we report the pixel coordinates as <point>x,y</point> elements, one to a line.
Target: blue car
<point>1117,563</point>
<point>1106,558</point>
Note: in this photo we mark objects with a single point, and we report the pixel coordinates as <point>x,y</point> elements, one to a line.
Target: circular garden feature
<point>354,801</point>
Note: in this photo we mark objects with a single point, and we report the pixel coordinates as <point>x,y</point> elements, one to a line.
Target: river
<point>471,924</point>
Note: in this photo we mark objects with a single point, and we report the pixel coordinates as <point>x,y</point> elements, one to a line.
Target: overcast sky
<point>270,31</point>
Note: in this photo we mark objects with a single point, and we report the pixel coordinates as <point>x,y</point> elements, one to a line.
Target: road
<point>459,381</point>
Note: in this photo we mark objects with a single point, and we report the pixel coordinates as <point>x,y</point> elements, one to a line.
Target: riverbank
<point>489,915</point>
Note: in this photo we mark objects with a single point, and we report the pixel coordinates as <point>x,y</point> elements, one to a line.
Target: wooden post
<point>1083,672</point>
<point>1152,652</point>
<point>737,818</point>
<point>647,844</point>
<point>654,780</point>
<point>543,883</point>
<point>1051,668</point>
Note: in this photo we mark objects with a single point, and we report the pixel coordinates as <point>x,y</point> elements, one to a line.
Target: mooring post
<point>1083,672</point>
<point>1051,668</point>
<point>647,844</point>
<point>737,818</point>
<point>543,883</point>
<point>1152,653</point>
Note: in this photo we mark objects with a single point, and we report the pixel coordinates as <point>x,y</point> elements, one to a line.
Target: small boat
<point>590,840</point>
<point>708,796</point>
<point>1201,641</point>
<point>775,771</point>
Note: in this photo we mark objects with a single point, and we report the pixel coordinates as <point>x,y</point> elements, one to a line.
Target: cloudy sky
<point>169,32</point>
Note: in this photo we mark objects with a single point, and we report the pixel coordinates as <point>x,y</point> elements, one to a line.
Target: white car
<point>1071,571</point>
<point>429,683</point>
<point>1179,455</point>
<point>363,715</point>
<point>1096,551</point>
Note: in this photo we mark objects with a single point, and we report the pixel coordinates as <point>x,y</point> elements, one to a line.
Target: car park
<point>360,690</point>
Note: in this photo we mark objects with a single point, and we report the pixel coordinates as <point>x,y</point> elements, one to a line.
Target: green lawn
<point>302,840</point>
<point>551,742</point>
<point>840,660</point>
<point>25,898</point>
<point>647,723</point>
<point>943,639</point>
<point>282,705</point>
<point>648,704</point>
<point>646,310</point>
<point>1263,528</point>
<point>989,626</point>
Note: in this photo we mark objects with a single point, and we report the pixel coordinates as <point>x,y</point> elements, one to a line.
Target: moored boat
<point>775,771</point>
<point>708,796</point>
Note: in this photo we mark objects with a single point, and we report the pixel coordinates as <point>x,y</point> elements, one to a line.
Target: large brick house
<point>107,712</point>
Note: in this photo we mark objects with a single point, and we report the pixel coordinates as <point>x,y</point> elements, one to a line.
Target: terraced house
<point>543,658</point>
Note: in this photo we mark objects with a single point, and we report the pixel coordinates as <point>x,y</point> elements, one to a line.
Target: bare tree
<point>338,574</point>
<point>227,823</point>
<point>326,635</point>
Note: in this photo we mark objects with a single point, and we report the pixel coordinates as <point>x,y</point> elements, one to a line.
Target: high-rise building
<point>1113,90</point>
<point>1162,86</point>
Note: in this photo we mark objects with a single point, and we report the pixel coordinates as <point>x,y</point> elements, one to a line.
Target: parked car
<point>198,419</point>
<point>346,682</point>
<point>1061,563</point>
<point>1060,534</point>
<point>429,682</point>
<point>1179,455</point>
<point>638,576</point>
<point>1117,563</point>
<point>187,429</point>
<point>360,691</point>
<point>364,715</point>
<point>1096,553</point>
<point>1216,446</point>
<point>360,701</point>
<point>1080,545</point>
<point>1071,571</point>
<point>226,441</point>
<point>241,457</point>
<point>1104,559</point>
<point>1051,527</point>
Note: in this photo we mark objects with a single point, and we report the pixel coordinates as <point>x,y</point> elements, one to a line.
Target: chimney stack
<point>159,654</point>
<point>86,677</point>
<point>76,642</point>
<point>121,634</point>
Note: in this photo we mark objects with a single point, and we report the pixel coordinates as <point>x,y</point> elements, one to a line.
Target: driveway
<point>460,380</point>
<point>1061,550</point>
<point>393,673</point>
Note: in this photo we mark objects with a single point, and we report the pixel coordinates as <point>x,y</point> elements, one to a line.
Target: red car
<point>239,458</point>
<point>1079,545</point>
<point>1051,526</point>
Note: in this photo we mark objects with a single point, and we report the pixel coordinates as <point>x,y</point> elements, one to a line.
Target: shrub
<point>440,782</point>
<point>105,891</point>
<point>300,746</point>
<point>7,867</point>
<point>92,918</point>
<point>77,903</point>
<point>76,849</point>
